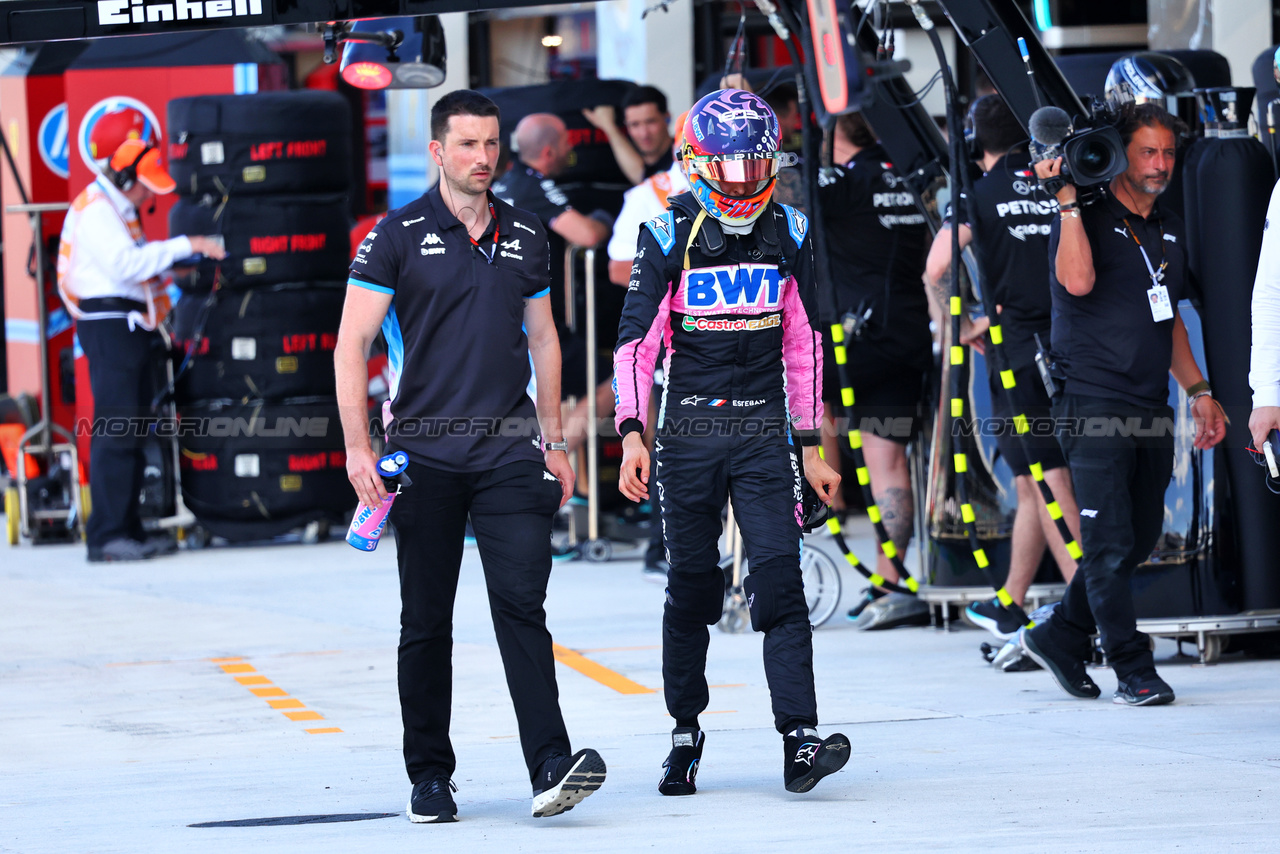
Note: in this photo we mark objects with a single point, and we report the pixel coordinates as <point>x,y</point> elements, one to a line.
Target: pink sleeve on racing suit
<point>802,362</point>
<point>633,364</point>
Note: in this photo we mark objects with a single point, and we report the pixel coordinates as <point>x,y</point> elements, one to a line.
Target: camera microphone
<point>1049,126</point>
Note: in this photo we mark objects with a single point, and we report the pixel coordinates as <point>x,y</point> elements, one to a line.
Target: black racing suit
<point>743,372</point>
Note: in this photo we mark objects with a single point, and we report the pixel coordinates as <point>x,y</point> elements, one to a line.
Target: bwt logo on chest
<point>736,286</point>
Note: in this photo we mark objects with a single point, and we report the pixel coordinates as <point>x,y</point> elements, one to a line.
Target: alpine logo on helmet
<point>730,155</point>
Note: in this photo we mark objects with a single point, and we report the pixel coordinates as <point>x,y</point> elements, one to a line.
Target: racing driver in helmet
<point>724,281</point>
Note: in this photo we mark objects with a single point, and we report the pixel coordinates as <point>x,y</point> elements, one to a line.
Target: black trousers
<point>122,373</point>
<point>1121,458</point>
<point>511,509</point>
<point>695,474</point>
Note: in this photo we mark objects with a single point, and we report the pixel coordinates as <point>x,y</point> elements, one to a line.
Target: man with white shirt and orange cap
<point>109,278</point>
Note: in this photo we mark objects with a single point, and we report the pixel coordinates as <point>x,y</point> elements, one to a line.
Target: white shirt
<point>640,204</point>
<point>1264,361</point>
<point>104,253</point>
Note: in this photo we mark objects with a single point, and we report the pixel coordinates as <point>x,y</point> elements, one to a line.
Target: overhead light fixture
<point>390,53</point>
<point>552,41</point>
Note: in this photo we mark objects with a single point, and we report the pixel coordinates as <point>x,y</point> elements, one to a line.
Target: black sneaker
<point>869,595</point>
<point>1066,670</point>
<point>996,618</point>
<point>1144,688</point>
<point>808,758</point>
<point>431,803</point>
<point>681,768</point>
<point>564,781</point>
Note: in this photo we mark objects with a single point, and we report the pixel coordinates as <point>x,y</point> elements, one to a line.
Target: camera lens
<point>1095,159</point>
<point>1095,156</point>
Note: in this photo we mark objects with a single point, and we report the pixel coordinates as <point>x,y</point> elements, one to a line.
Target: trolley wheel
<point>12,522</point>
<point>598,551</point>
<point>737,614</point>
<point>822,584</point>
<point>1211,650</point>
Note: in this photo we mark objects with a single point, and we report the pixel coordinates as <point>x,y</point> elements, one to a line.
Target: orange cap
<point>146,160</point>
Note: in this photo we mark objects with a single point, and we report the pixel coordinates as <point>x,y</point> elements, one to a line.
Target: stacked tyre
<point>260,439</point>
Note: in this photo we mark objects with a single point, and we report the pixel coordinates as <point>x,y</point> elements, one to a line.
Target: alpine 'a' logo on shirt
<point>513,245</point>
<point>735,286</point>
<point>431,239</point>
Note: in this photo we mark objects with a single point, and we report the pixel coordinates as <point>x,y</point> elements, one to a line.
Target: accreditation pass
<point>1158,299</point>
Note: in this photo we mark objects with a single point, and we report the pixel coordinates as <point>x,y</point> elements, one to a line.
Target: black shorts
<point>1040,441</point>
<point>888,395</point>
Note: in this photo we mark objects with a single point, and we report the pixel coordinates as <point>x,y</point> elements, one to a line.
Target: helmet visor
<point>747,175</point>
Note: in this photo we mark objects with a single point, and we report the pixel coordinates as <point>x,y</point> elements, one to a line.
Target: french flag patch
<point>719,401</point>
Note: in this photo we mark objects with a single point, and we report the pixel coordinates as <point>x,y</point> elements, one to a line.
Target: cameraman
<point>1117,271</point>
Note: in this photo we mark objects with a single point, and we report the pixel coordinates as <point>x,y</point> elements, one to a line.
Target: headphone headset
<point>127,176</point>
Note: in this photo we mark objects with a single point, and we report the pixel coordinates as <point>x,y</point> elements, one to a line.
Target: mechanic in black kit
<point>454,279</point>
<point>1011,219</point>
<point>876,239</point>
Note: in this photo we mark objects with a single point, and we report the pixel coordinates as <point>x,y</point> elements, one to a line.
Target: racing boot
<point>809,758</point>
<point>680,769</point>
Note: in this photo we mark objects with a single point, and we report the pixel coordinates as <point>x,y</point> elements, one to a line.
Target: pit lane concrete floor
<point>128,713</point>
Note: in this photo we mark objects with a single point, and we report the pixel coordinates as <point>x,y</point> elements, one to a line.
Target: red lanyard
<point>494,215</point>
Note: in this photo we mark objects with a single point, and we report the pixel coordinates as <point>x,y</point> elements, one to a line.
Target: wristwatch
<point>555,446</point>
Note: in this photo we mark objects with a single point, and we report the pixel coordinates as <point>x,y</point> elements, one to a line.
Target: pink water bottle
<point>367,524</point>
